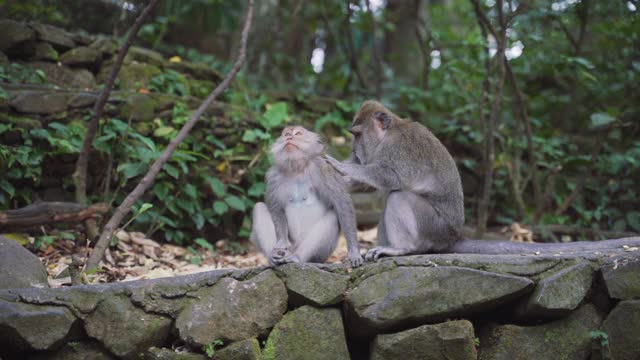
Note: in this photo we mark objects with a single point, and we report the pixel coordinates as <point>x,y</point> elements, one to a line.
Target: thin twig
<point>80,175</point>
<point>149,178</point>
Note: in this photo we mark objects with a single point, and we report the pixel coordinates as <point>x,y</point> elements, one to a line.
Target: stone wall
<point>416,307</point>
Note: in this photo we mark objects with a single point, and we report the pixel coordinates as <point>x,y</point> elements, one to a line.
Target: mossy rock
<point>143,55</point>
<point>132,76</point>
<point>81,56</point>
<point>622,277</point>
<point>566,339</point>
<point>63,76</point>
<point>139,107</point>
<point>196,70</point>
<point>13,33</point>
<point>622,328</point>
<point>57,37</point>
<point>308,333</point>
<point>124,329</point>
<point>106,46</point>
<point>44,51</point>
<point>241,350</point>
<point>452,340</point>
<point>21,122</point>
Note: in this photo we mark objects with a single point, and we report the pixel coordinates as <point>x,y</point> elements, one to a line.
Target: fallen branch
<point>43,213</point>
<point>149,178</point>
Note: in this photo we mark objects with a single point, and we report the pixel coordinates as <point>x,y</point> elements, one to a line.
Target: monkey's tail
<point>498,247</point>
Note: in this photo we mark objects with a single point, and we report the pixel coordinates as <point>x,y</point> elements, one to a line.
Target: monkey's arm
<point>332,187</point>
<point>279,219</point>
<point>376,175</point>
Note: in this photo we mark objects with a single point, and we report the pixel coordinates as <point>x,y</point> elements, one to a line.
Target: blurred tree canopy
<point>551,86</point>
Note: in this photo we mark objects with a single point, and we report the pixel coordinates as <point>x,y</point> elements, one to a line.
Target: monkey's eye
<point>298,133</point>
<point>287,134</point>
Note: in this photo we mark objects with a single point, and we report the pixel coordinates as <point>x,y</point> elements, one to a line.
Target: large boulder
<point>453,340</point>
<point>132,76</point>
<point>233,310</point>
<point>125,329</point>
<point>13,33</point>
<point>310,285</point>
<point>143,55</point>
<point>65,77</point>
<point>622,328</point>
<point>560,293</point>
<point>39,102</point>
<point>569,338</point>
<point>81,56</point>
<point>412,296</point>
<point>308,333</point>
<point>44,51</point>
<point>26,327</point>
<point>622,278</point>
<point>57,37</point>
<point>19,268</point>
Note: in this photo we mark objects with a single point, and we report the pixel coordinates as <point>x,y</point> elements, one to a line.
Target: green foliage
<point>16,73</point>
<point>170,82</point>
<point>210,349</point>
<point>603,341</point>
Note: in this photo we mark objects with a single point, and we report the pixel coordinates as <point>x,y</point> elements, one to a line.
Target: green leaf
<point>275,115</point>
<point>235,202</point>
<point>633,219</point>
<point>601,119</point>
<point>145,207</point>
<point>198,219</point>
<point>249,136</point>
<point>220,207</point>
<point>161,190</point>
<point>8,188</point>
<point>130,170</point>
<point>171,170</point>
<point>163,131</point>
<point>217,186</point>
<point>257,189</point>
<point>204,243</point>
<point>191,190</point>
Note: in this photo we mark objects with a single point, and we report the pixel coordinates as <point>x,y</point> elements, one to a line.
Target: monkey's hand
<point>355,260</point>
<point>344,169</point>
<point>281,256</point>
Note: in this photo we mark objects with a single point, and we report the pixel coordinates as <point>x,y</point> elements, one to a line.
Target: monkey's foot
<point>375,253</point>
<point>282,256</point>
<point>354,260</point>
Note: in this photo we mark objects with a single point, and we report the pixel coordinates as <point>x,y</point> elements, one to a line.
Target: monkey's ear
<point>383,120</point>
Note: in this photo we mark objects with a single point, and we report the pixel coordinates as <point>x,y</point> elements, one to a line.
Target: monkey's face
<point>368,129</point>
<point>296,142</point>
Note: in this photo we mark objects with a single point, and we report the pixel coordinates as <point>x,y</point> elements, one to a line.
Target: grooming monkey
<point>307,202</point>
<point>424,210</point>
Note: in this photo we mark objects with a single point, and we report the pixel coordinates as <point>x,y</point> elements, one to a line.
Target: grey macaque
<point>307,203</point>
<point>424,210</point>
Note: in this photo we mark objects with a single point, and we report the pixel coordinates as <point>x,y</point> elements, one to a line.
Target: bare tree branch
<point>149,178</point>
<point>80,175</point>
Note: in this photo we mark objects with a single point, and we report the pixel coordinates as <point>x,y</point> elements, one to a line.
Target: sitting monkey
<point>307,202</point>
<point>424,210</point>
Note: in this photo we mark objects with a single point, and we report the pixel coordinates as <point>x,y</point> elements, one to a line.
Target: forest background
<point>538,102</point>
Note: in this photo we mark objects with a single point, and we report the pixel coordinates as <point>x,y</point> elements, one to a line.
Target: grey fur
<point>424,209</point>
<point>307,203</point>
